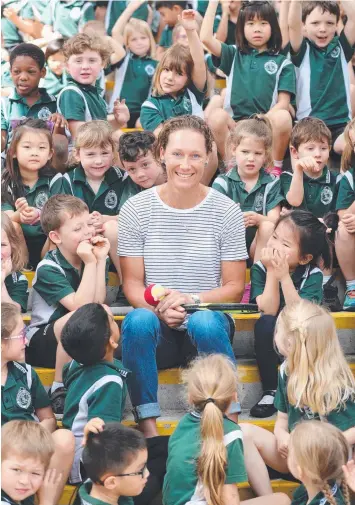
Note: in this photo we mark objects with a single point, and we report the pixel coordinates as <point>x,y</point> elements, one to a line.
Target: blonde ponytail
<point>212,384</point>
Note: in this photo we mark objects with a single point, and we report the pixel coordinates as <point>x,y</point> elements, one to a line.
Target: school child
<point>179,83</point>
<point>56,77</point>
<point>26,450</point>
<point>81,100</point>
<point>170,12</point>
<point>206,458</point>
<point>345,206</point>
<point>320,58</point>
<point>116,9</point>
<point>65,18</point>
<point>115,461</point>
<point>28,100</point>
<point>316,455</point>
<point>28,181</point>
<point>17,21</point>
<point>71,275</point>
<point>306,336</point>
<point>247,183</point>
<point>90,338</point>
<point>287,272</point>
<point>260,79</point>
<point>22,395</point>
<point>225,25</point>
<point>134,74</point>
<point>14,285</point>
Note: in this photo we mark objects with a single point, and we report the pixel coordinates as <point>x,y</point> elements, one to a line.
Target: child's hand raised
<point>349,472</point>
<point>188,20</point>
<point>85,251</point>
<point>95,425</point>
<point>101,247</point>
<point>348,221</point>
<point>49,489</point>
<point>251,219</point>
<point>280,265</point>
<point>308,164</point>
<point>121,112</point>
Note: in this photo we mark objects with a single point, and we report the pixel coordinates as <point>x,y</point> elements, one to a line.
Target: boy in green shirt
<point>91,337</point>
<point>170,12</point>
<point>17,20</point>
<point>68,277</point>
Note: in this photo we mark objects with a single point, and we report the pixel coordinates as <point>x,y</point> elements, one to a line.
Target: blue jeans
<point>148,344</point>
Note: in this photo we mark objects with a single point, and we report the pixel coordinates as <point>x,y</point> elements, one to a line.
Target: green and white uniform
<point>307,280</point>
<point>55,278</point>
<point>262,198</point>
<point>158,109</point>
<point>22,394</point>
<point>300,497</point>
<point>6,500</point>
<point>320,195</point>
<point>17,288</point>
<point>67,17</point>
<point>83,497</point>
<point>81,103</point>
<point>108,198</point>
<point>54,83</point>
<point>6,79</point>
<point>181,485</point>
<point>254,80</point>
<point>115,9</point>
<point>346,193</point>
<point>93,391</point>
<point>166,37</point>
<point>323,85</point>
<point>130,188</point>
<point>342,418</point>
<point>11,34</point>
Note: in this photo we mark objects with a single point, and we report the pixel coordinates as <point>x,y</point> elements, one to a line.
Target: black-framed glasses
<point>133,474</point>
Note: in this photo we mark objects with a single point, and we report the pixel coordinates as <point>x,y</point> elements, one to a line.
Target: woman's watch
<point>195,298</point>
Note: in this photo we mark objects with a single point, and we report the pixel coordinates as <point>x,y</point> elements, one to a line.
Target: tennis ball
<point>153,294</point>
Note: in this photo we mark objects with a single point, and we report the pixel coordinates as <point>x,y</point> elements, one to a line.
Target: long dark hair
<point>12,186</point>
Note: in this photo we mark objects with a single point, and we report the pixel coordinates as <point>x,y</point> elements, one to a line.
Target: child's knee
<point>111,229</point>
<point>218,120</point>
<point>265,229</point>
<point>281,120</point>
<point>64,443</point>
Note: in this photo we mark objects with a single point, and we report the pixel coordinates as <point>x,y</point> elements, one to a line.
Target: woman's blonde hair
<point>97,133</point>
<point>177,58</point>
<point>140,26</point>
<point>258,126</point>
<point>319,376</point>
<point>320,450</point>
<point>348,156</point>
<point>18,247</point>
<point>211,385</point>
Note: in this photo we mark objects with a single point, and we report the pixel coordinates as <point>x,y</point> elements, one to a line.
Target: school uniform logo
<point>111,199</point>
<point>186,103</point>
<point>326,195</point>
<point>75,13</point>
<point>335,53</point>
<point>41,199</point>
<point>44,113</point>
<point>271,67</point>
<point>23,398</point>
<point>258,203</point>
<point>149,69</point>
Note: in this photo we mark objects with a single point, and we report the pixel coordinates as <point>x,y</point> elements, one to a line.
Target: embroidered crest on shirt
<point>271,67</point>
<point>41,199</point>
<point>258,203</point>
<point>44,113</point>
<point>149,69</point>
<point>326,195</point>
<point>111,199</point>
<point>23,398</point>
<point>186,103</point>
<point>335,53</point>
<point>75,13</point>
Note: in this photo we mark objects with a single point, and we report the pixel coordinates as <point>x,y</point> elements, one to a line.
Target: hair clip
<point>23,121</point>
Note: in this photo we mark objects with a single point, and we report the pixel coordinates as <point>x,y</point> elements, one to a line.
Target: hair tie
<point>209,400</point>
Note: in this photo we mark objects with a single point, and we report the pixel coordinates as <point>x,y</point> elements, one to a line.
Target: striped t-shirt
<point>182,248</point>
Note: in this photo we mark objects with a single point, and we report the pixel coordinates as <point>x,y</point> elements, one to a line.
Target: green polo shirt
<point>130,188</point>
<point>307,280</point>
<point>81,103</point>
<point>115,9</point>
<point>133,80</point>
<point>166,37</point>
<point>54,83</point>
<point>102,391</point>
<point>230,40</point>
<point>67,17</point>
<point>12,36</point>
<point>55,278</point>
<point>6,80</point>
<point>158,109</point>
<point>83,497</point>
<point>300,497</point>
<point>341,418</point>
<point>346,193</point>
<point>263,197</point>
<point>107,199</point>
<point>22,394</point>
<point>180,483</point>
<point>320,195</point>
<point>6,498</point>
<point>202,7</point>
<point>17,287</point>
<point>38,6</point>
<point>323,87</point>
<point>254,80</point>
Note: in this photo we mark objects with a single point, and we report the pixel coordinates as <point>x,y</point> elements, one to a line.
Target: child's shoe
<point>57,399</point>
<point>349,301</point>
<point>265,406</point>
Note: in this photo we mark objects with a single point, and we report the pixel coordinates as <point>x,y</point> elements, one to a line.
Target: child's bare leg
<point>339,144</point>
<point>272,499</point>
<point>111,233</point>
<point>281,131</point>
<point>62,458</point>
<point>220,123</point>
<point>216,102</point>
<point>345,246</point>
<point>265,230</point>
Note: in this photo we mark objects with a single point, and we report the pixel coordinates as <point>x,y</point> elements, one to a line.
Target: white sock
<point>350,285</point>
<point>278,164</point>
<point>326,279</point>
<point>56,385</point>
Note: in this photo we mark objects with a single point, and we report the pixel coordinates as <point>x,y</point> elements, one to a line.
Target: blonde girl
<point>134,74</point>
<point>317,453</point>
<point>206,459</point>
<point>314,382</point>
<point>14,285</point>
<point>345,206</point>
